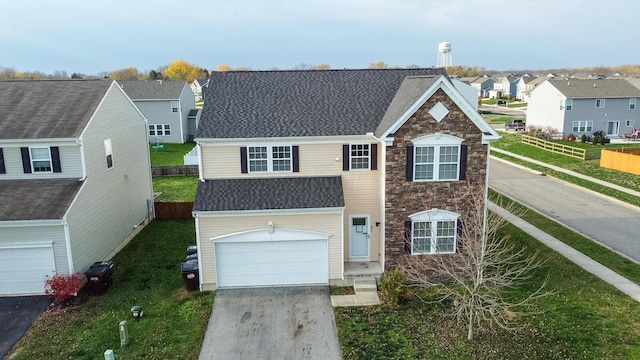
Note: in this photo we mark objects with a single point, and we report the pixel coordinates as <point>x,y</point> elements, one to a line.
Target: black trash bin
<point>189,271</point>
<point>99,279</point>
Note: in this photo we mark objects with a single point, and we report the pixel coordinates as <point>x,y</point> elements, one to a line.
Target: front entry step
<point>366,290</point>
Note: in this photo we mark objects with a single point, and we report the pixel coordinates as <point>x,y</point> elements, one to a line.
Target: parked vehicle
<point>515,125</point>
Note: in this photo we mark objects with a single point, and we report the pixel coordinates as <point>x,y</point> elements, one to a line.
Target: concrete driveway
<point>272,323</point>
<point>17,314</point>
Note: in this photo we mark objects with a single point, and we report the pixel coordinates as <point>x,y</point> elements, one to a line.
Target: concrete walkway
<point>366,294</point>
<point>619,282</point>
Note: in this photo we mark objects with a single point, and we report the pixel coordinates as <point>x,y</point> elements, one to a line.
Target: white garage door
<point>270,263</point>
<point>23,270</point>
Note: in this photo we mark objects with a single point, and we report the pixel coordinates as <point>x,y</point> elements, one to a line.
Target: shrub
<point>594,140</point>
<point>571,137</point>
<point>583,138</point>
<point>603,140</point>
<point>391,286</point>
<point>62,288</point>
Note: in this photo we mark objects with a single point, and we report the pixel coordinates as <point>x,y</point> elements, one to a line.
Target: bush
<point>603,140</point>
<point>391,286</point>
<point>62,288</point>
<point>594,140</point>
<point>583,138</point>
<point>571,137</point>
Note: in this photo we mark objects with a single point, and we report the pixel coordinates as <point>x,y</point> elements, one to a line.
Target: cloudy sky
<point>94,36</point>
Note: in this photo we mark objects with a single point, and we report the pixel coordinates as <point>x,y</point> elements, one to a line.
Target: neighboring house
<point>75,181</point>
<point>581,106</point>
<point>526,84</point>
<point>196,87</point>
<point>483,85</point>
<point>635,81</point>
<point>166,105</point>
<point>306,173</point>
<point>504,86</point>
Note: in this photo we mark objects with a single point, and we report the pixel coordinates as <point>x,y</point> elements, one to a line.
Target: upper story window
<point>269,158</point>
<point>41,159</point>
<point>174,106</point>
<point>108,152</point>
<point>360,156</point>
<point>599,103</point>
<point>569,104</point>
<point>437,158</point>
<point>632,104</point>
<point>433,232</point>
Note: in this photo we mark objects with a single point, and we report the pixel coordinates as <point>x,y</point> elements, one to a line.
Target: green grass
<point>517,105</point>
<point>171,154</point>
<point>146,273</point>
<point>584,318</point>
<point>497,119</point>
<point>175,188</point>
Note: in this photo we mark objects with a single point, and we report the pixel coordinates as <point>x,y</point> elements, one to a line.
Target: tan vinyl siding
<point>24,235</point>
<point>70,161</point>
<point>217,226</point>
<point>112,201</point>
<point>362,197</point>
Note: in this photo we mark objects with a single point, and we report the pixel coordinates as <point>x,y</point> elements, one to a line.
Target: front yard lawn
<point>146,273</point>
<point>584,318</point>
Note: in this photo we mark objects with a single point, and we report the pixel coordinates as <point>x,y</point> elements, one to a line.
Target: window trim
<point>433,217</point>
<point>568,104</point>
<point>588,126</point>
<point>630,123</point>
<point>601,103</point>
<point>352,156</point>
<point>632,103</point>
<point>437,141</point>
<point>164,129</point>
<point>270,159</point>
<point>108,153</point>
<point>32,160</point>
<point>175,106</point>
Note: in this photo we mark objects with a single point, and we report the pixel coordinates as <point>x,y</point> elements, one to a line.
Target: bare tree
<point>476,278</point>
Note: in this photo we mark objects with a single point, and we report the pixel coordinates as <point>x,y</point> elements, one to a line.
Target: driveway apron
<point>272,323</point>
<point>17,314</point>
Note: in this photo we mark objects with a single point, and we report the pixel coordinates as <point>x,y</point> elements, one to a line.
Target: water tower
<point>444,54</point>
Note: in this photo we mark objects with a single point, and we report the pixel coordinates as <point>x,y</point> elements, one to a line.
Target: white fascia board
<point>283,212</point>
<point>44,142</point>
<point>287,140</point>
<point>29,223</point>
<point>489,134</point>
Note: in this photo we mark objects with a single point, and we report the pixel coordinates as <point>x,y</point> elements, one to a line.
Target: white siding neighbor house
<point>169,106</point>
<point>584,106</point>
<point>75,181</point>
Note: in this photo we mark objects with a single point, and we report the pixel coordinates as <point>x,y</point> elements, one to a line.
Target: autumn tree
<point>477,278</point>
<point>129,73</point>
<point>181,70</point>
<point>224,67</point>
<point>322,66</point>
<point>243,68</point>
<point>379,65</point>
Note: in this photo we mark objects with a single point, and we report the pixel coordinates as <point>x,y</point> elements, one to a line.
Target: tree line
<point>181,70</point>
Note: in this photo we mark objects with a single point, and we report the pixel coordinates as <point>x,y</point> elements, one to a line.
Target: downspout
<point>200,169</point>
<point>82,160</point>
<point>199,247</point>
<point>67,240</point>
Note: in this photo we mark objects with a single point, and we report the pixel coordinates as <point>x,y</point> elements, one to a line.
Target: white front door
<point>359,239</point>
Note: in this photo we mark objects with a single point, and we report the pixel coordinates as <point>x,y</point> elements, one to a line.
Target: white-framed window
<point>569,104</point>
<point>277,158</point>
<point>582,126</point>
<point>41,159</point>
<point>599,103</point>
<point>632,104</point>
<point>360,156</point>
<point>174,106</point>
<point>436,158</point>
<point>159,130</point>
<point>434,232</point>
<point>108,153</point>
<point>630,123</point>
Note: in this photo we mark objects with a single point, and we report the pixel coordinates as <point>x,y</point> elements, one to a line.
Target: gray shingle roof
<point>604,88</point>
<point>45,109</point>
<point>250,104</point>
<point>41,199</point>
<point>152,89</point>
<point>269,193</point>
<point>409,92</point>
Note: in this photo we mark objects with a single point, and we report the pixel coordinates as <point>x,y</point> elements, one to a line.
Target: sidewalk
<point>585,262</point>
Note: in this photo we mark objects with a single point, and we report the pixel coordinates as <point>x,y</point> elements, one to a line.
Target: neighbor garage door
<point>23,270</point>
<point>271,263</point>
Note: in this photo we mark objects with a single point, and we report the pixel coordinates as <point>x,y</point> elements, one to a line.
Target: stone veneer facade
<point>404,198</point>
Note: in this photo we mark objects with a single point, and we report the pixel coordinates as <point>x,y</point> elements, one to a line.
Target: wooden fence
<point>626,160</point>
<point>176,170</point>
<point>173,210</point>
<point>555,147</point>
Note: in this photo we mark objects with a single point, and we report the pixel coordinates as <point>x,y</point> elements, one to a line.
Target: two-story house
<point>169,106</point>
<point>583,106</point>
<point>504,86</point>
<point>527,83</point>
<point>75,181</point>
<point>304,173</point>
<point>196,86</point>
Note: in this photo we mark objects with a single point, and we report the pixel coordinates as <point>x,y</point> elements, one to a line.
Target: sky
<point>91,37</point>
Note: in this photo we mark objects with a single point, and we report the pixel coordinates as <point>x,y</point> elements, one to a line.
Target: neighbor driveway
<point>17,314</point>
<point>272,323</point>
